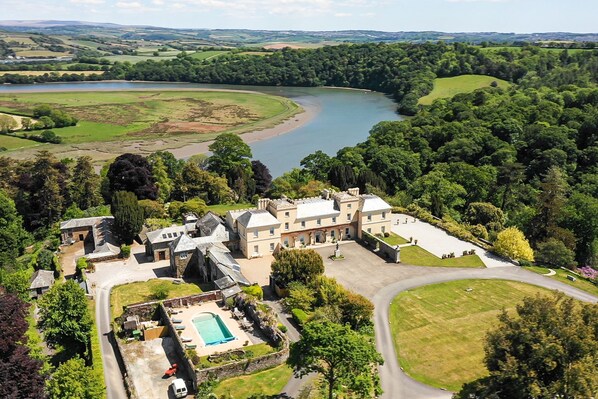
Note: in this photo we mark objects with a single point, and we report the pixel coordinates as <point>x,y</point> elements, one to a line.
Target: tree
<point>64,317</point>
<point>342,176</point>
<point>12,234</point>
<point>152,209</point>
<point>549,349</point>
<point>342,356</point>
<point>554,253</point>
<point>229,151</point>
<point>72,379</point>
<point>85,184</point>
<point>512,243</point>
<point>550,204</point>
<point>317,165</point>
<point>357,310</point>
<point>300,297</point>
<point>296,265</point>
<point>486,214</point>
<point>163,182</point>
<point>7,124</point>
<point>438,194</point>
<point>262,177</point>
<point>195,182</point>
<point>131,172</point>
<point>128,215</point>
<point>14,310</point>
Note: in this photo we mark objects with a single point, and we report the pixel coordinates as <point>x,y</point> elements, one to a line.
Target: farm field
<point>448,87</point>
<point>133,115</point>
<point>439,329</point>
<point>206,55</point>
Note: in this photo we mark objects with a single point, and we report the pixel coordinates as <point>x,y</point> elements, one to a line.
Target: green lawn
<point>151,114</point>
<point>448,87</point>
<point>256,351</point>
<point>561,275</point>
<point>417,256</point>
<point>268,382</point>
<point>439,330</point>
<point>221,209</point>
<point>208,54</point>
<point>127,294</point>
<point>395,239</point>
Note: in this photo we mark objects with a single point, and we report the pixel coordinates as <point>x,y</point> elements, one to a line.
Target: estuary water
<point>342,117</point>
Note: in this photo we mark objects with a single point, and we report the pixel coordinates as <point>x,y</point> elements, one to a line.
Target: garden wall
<point>381,247</point>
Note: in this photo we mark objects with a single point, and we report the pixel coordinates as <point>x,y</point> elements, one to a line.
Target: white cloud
<point>133,5</point>
<point>477,1</point>
<point>91,2</point>
<point>343,14</point>
<point>158,2</point>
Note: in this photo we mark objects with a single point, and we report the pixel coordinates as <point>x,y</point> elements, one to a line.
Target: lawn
<point>165,114</point>
<point>268,382</point>
<point>448,87</point>
<point>439,329</point>
<point>128,294</point>
<point>256,351</point>
<point>395,239</point>
<point>561,275</point>
<point>417,256</point>
<point>221,209</point>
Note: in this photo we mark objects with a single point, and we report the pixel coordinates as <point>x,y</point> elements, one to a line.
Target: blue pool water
<point>212,329</point>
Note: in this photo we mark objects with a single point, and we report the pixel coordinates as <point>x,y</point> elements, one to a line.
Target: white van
<point>179,388</point>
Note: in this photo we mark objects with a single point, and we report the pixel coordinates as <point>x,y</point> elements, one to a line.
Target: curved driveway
<point>395,383</point>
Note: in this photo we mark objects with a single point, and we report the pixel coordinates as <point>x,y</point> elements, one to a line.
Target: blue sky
<point>523,16</point>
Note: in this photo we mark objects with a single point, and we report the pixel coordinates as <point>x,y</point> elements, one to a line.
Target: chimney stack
<point>326,194</point>
<point>353,191</point>
<point>262,203</point>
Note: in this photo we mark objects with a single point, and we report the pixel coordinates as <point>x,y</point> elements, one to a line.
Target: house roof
<point>41,279</point>
<point>227,265</point>
<point>165,235</point>
<point>83,222</point>
<point>257,218</point>
<point>316,207</point>
<point>183,243</point>
<point>208,223</point>
<point>372,203</point>
<point>224,282</point>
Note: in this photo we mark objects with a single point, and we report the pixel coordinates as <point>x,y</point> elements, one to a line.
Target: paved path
<point>438,241</point>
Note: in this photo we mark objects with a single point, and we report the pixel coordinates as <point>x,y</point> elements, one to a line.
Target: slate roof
<point>208,224</point>
<point>165,235</point>
<point>372,203</point>
<point>316,207</point>
<point>83,222</point>
<point>41,279</point>
<point>257,218</point>
<point>227,265</point>
<point>183,243</point>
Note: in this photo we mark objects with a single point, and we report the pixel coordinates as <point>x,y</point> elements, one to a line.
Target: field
<point>127,294</point>
<point>40,73</point>
<point>448,87</point>
<point>268,382</point>
<point>561,275</point>
<point>133,115</point>
<point>206,55</point>
<point>417,256</point>
<point>439,330</point>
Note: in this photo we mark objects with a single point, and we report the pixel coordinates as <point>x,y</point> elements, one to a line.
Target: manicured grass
<point>417,256</point>
<point>268,382</point>
<point>153,114</point>
<point>16,143</point>
<point>128,294</point>
<point>448,87</point>
<point>96,350</point>
<point>256,351</point>
<point>395,239</point>
<point>439,330</point>
<point>221,209</point>
<point>561,275</point>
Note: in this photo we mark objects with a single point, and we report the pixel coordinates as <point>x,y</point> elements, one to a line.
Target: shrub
<point>554,252</point>
<point>283,328</point>
<point>511,243</point>
<point>81,264</point>
<point>45,260</point>
<point>479,231</point>
<point>193,356</point>
<point>152,209</point>
<point>161,291</point>
<point>299,316</point>
<point>387,234</point>
<point>255,291</point>
<point>125,251</point>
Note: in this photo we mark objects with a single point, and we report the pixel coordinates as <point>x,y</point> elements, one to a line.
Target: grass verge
<point>267,382</point>
<point>439,330</point>
<point>448,87</point>
<point>127,294</point>
<point>417,256</point>
<point>561,275</point>
<point>96,350</point>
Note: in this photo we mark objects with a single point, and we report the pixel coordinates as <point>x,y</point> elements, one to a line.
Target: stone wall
<point>382,248</point>
<point>129,386</point>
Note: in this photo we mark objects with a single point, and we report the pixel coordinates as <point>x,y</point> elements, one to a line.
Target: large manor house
<point>205,244</point>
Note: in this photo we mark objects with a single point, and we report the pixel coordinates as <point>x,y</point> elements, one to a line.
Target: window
<point>286,243</point>
<point>348,217</point>
<point>271,231</point>
<point>383,229</point>
<point>174,234</point>
<point>369,230</point>
<point>256,249</point>
<point>369,218</point>
<point>347,231</point>
<point>271,246</point>
<point>303,223</point>
<point>349,206</point>
<point>183,255</point>
<point>255,233</point>
<point>383,215</point>
<point>331,233</point>
<point>302,240</point>
<point>319,222</point>
<point>334,219</point>
<point>169,235</point>
<point>286,225</point>
<point>287,214</point>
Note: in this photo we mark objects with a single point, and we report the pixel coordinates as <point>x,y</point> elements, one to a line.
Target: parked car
<point>179,388</point>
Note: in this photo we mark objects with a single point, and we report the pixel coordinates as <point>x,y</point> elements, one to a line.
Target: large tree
<point>128,215</point>
<point>64,317</point>
<point>132,172</point>
<point>550,204</point>
<point>548,349</point>
<point>229,153</point>
<point>72,379</point>
<point>296,265</point>
<point>85,184</point>
<point>12,234</point>
<point>511,242</point>
<point>262,177</point>
<point>343,357</point>
<point>195,182</point>
<point>163,181</point>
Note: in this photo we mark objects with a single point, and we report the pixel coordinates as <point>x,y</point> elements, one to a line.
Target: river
<point>343,117</point>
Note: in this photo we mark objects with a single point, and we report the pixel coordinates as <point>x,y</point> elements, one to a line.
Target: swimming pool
<point>212,329</point>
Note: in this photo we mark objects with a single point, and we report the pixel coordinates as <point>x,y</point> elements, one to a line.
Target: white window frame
<point>272,230</point>
<point>255,233</point>
<point>271,246</point>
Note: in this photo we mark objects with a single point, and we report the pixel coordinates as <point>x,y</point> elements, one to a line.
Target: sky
<point>520,16</point>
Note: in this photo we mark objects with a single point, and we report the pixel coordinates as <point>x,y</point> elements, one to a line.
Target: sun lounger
<point>179,327</point>
<point>186,339</point>
<point>190,346</point>
<point>177,321</point>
